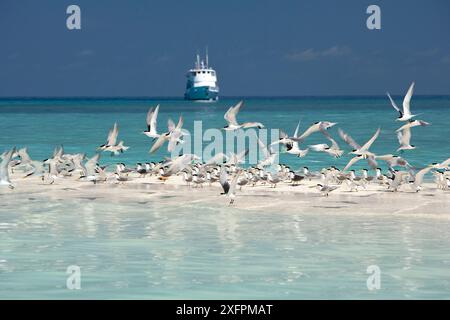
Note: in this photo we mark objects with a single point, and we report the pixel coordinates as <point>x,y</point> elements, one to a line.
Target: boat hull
<point>202,93</point>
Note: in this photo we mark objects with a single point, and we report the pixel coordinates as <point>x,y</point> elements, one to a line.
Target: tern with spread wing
<point>152,116</point>
<point>404,115</point>
<point>357,149</point>
<point>230,117</point>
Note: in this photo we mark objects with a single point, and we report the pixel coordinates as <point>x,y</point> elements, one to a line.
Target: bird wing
<point>91,164</point>
<point>408,125</point>
<point>230,115</point>
<point>283,134</point>
<point>371,141</point>
<point>175,135</point>
<point>219,157</point>
<point>351,162</point>
<point>170,125</point>
<point>24,156</point>
<point>264,149</point>
<point>334,144</point>
<point>407,100</point>
<point>234,182</point>
<point>112,136</point>
<point>314,128</point>
<point>319,147</point>
<point>223,180</point>
<point>418,178</point>
<point>179,164</point>
<point>159,142</point>
<point>445,163</point>
<point>348,139</point>
<point>385,157</point>
<point>152,122</point>
<point>394,104</point>
<point>4,173</point>
<point>372,162</point>
<point>296,130</point>
<point>423,123</point>
<point>404,136</point>
<point>241,155</point>
<point>149,118</point>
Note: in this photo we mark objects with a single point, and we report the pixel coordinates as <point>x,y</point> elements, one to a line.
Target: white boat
<point>201,82</point>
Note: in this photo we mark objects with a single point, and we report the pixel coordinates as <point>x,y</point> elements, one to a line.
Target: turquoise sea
<point>82,124</point>
<point>151,251</point>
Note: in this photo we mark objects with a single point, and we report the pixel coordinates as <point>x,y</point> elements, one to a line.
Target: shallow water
<point>212,252</point>
<point>161,249</point>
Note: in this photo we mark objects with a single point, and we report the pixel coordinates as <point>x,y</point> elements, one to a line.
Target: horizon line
<point>223,97</point>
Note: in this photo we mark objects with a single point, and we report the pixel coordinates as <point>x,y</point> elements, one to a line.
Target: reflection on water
<point>147,250</point>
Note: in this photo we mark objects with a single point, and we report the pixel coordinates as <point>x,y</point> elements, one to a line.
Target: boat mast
<point>207,63</point>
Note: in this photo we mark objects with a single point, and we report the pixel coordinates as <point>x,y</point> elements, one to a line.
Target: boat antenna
<point>198,61</point>
<point>207,63</point>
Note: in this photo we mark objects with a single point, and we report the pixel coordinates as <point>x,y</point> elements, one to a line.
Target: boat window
<point>213,73</point>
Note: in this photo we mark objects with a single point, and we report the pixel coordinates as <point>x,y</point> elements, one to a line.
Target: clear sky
<point>258,47</point>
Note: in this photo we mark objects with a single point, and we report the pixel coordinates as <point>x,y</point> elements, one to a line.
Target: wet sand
<point>285,198</point>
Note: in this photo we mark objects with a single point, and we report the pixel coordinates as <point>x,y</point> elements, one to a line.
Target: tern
<point>404,115</point>
<point>295,178</point>
<point>404,138</point>
<point>242,181</point>
<point>418,178</point>
<point>357,149</point>
<point>273,179</point>
<point>285,139</point>
<point>4,170</point>
<point>398,177</point>
<point>230,117</point>
<point>180,163</point>
<point>110,144</point>
<point>334,150</point>
<point>325,189</point>
<point>223,180</point>
<point>152,116</point>
<point>232,190</point>
<point>175,134</point>
<point>89,172</point>
<point>316,127</point>
<point>172,136</point>
<point>292,145</point>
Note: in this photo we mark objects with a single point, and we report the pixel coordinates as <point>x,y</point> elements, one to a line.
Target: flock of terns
<point>227,169</point>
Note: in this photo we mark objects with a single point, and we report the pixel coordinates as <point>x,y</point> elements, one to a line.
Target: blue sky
<point>259,48</point>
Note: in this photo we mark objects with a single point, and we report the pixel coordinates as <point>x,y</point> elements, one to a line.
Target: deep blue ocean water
<point>82,124</point>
